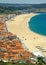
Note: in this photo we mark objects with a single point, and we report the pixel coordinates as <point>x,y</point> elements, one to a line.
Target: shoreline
<point>30,39</point>
<point>27,23</point>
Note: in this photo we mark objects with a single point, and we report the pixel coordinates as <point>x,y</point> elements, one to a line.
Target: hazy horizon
<point>23,1</point>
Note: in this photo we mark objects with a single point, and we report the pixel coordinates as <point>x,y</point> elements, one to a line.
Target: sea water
<point>37,24</point>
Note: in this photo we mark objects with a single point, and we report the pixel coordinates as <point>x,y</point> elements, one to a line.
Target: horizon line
<point>23,3</point>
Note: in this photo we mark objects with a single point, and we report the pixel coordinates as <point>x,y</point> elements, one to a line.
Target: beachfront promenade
<point>18,25</point>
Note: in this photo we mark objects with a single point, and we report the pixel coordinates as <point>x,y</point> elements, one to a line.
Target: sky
<point>23,1</point>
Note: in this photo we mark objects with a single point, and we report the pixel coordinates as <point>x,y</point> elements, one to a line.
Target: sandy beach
<point>18,25</point>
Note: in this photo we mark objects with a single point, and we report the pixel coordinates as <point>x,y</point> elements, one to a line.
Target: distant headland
<point>6,8</point>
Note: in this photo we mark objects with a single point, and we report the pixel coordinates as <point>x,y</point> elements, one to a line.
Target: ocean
<point>37,24</point>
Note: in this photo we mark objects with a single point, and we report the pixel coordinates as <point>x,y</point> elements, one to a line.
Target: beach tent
<point>37,54</point>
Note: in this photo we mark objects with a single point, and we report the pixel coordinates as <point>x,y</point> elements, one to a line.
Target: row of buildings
<point>11,48</point>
